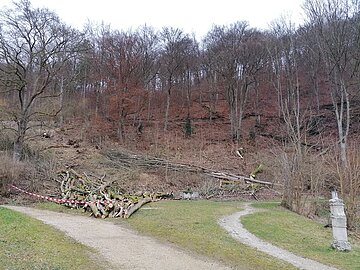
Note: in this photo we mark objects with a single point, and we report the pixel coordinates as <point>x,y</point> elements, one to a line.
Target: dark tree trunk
<point>19,141</point>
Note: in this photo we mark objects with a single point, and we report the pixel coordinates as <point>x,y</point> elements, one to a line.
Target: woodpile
<point>95,194</point>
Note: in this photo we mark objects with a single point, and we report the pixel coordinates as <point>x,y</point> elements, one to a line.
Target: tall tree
<point>130,62</point>
<point>336,29</point>
<point>176,46</point>
<point>34,46</point>
<point>149,45</point>
<point>284,52</point>
<point>237,54</point>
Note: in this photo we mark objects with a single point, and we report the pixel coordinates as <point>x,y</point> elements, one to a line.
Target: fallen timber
<point>103,200</point>
<point>129,159</point>
<point>100,197</point>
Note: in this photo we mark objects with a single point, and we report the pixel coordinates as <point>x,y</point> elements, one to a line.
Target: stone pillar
<point>338,222</point>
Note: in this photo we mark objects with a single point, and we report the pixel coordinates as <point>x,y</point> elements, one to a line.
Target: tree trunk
<point>19,141</point>
<point>232,100</point>
<point>343,122</point>
<point>149,102</point>
<point>18,149</point>
<point>121,124</point>
<point>137,206</point>
<point>62,102</point>
<point>239,127</point>
<point>188,93</point>
<point>167,110</point>
<point>97,102</point>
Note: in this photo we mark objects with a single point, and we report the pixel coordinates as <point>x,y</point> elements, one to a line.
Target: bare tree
<point>93,68</point>
<point>191,72</point>
<point>130,63</point>
<point>337,37</point>
<point>174,55</point>
<point>212,82</point>
<point>149,48</point>
<point>284,55</point>
<point>236,53</point>
<point>34,45</point>
<point>311,63</point>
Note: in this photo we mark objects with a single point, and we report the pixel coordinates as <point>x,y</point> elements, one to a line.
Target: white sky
<point>196,16</point>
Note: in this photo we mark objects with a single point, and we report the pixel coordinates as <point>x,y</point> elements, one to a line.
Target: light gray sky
<point>196,16</point>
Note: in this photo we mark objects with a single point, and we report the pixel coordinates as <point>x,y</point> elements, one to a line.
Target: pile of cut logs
<point>94,194</point>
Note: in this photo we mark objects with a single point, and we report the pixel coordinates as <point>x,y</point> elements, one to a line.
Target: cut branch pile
<point>100,196</point>
<point>129,159</point>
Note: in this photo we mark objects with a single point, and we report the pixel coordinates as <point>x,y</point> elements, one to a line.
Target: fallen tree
<point>103,199</point>
<point>129,159</point>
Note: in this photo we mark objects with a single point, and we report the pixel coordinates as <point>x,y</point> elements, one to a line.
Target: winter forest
<point>287,97</point>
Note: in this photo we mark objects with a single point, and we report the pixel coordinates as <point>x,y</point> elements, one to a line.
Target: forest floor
<point>71,148</point>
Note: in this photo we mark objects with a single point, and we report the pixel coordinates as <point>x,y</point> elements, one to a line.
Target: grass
<point>193,226</point>
<point>51,206</point>
<point>300,235</point>
<point>26,243</point>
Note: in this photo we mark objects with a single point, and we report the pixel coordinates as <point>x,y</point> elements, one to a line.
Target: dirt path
<point>233,225</point>
<point>123,248</point>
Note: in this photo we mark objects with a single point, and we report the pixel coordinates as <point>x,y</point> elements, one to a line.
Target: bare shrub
<point>6,144</point>
<point>10,172</point>
<point>36,173</point>
<point>348,183</point>
<point>209,187</point>
<point>302,174</point>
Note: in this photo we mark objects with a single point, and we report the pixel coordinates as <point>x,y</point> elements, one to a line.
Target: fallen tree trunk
<point>137,206</point>
<point>129,160</point>
<point>233,177</point>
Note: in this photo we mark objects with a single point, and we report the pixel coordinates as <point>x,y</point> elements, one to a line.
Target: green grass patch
<point>300,235</point>
<point>26,243</point>
<point>193,225</point>
<point>51,206</point>
<point>266,205</point>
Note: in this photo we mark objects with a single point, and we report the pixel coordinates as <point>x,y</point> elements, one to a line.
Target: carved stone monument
<point>338,222</point>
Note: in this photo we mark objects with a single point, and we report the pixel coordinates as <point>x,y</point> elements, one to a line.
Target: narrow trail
<point>233,225</point>
<point>123,248</point>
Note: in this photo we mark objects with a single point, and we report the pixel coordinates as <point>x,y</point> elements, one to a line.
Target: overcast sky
<point>196,16</point>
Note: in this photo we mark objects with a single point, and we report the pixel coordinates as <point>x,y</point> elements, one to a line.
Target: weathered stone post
<point>338,222</point>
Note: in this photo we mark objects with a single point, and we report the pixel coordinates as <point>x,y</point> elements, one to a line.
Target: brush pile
<point>127,159</point>
<point>101,197</point>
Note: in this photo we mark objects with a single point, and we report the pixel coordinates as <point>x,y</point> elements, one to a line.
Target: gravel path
<point>233,225</point>
<point>122,247</point>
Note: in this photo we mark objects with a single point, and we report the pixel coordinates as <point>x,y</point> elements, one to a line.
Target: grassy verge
<point>300,236</point>
<point>193,225</point>
<point>26,243</point>
<point>44,205</point>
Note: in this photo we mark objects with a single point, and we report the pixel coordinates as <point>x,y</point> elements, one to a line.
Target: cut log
<point>136,207</point>
<point>93,207</point>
